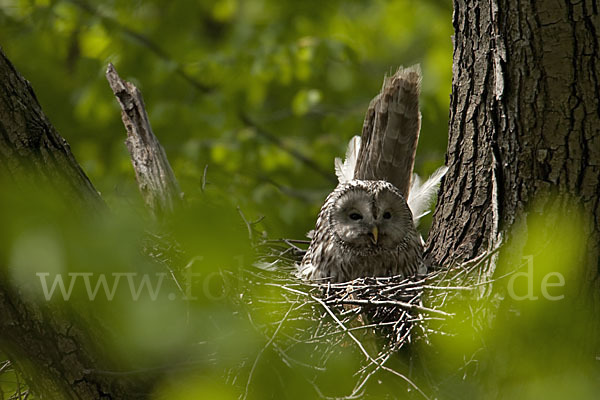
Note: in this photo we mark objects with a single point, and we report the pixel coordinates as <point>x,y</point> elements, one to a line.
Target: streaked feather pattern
<point>367,227</point>
<point>420,195</point>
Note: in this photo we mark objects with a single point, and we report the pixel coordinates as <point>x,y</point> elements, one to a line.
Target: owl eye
<point>387,215</point>
<point>355,216</point>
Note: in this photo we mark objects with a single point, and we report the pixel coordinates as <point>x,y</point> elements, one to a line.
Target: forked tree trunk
<point>524,123</point>
<point>55,353</point>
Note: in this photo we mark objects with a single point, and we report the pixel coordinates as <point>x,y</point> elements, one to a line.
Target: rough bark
<point>56,353</point>
<point>391,131</point>
<point>154,175</point>
<point>524,122</point>
<point>30,147</point>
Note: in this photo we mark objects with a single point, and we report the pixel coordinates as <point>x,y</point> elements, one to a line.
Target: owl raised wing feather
<point>367,225</point>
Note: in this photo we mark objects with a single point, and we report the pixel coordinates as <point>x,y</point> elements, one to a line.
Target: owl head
<point>369,215</point>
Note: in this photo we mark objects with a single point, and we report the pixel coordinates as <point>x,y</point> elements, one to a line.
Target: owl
<point>366,228</point>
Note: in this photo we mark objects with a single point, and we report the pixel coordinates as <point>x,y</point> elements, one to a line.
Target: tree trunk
<point>55,353</point>
<point>29,144</point>
<point>524,123</point>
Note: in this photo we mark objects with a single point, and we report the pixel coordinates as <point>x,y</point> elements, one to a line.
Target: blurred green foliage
<point>240,86</point>
<point>138,313</point>
<point>205,338</point>
<point>303,72</point>
<point>535,334</point>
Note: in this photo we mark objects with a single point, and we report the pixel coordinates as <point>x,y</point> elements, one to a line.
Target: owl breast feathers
<point>365,228</point>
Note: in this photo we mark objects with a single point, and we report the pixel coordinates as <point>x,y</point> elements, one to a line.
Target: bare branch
<point>156,179</point>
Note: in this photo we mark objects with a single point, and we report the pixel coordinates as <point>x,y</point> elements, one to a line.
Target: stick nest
<point>376,318</point>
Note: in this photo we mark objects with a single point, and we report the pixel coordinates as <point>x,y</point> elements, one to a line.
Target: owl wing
<point>317,261</point>
<point>420,195</point>
<point>391,131</point>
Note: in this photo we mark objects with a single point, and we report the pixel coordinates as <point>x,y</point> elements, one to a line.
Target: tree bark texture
<point>56,354</point>
<point>30,146</point>
<point>154,175</point>
<point>524,121</point>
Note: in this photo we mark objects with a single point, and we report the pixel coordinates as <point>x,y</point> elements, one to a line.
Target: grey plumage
<point>391,131</point>
<point>382,242</point>
<point>366,228</point>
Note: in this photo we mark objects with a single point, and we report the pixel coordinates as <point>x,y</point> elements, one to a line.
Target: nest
<point>376,318</point>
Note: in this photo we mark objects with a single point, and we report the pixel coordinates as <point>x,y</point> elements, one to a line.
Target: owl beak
<point>374,234</point>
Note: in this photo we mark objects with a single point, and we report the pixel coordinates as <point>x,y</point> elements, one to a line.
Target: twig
<point>411,383</point>
<point>204,182</point>
<point>445,287</point>
<point>249,224</point>
<point>263,350</point>
<point>392,303</point>
<point>362,383</point>
<point>335,318</point>
<point>5,366</point>
<point>288,241</point>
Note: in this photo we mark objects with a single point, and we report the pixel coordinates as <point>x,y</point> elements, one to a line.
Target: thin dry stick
<point>249,224</point>
<point>335,318</point>
<point>393,303</point>
<point>204,181</point>
<point>263,350</point>
<point>355,340</point>
<point>361,384</point>
<point>5,366</point>
<point>398,374</point>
